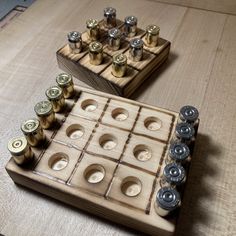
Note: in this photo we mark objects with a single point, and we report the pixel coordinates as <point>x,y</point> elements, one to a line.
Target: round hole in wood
<point>142,152</point>
<point>58,161</point>
<point>94,173</point>
<point>120,114</point>
<point>89,105</point>
<point>152,123</point>
<point>131,186</point>
<point>75,131</point>
<point>108,141</point>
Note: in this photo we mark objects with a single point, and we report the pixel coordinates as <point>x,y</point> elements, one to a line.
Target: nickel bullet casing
<point>130,27</point>
<point>173,175</point>
<point>167,200</point>
<point>110,17</point>
<point>65,82</point>
<point>33,132</point>
<point>114,39</point>
<point>136,49</point>
<point>45,113</point>
<point>75,41</point>
<point>95,53</point>
<point>184,133</point>
<point>55,96</point>
<point>188,114</point>
<point>178,152</point>
<point>119,65</point>
<point>93,29</point>
<point>20,150</point>
<point>152,35</point>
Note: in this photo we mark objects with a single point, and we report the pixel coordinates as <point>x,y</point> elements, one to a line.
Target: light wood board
<point>200,71</point>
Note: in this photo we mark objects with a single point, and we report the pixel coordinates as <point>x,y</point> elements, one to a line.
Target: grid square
<point>52,156</point>
<point>154,124</point>
<point>108,141</point>
<point>136,196</point>
<point>89,175</point>
<point>144,153</point>
<point>120,114</point>
<point>89,106</point>
<point>75,132</point>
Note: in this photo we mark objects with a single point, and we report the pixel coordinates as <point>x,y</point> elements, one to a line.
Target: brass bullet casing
<point>173,175</point>
<point>188,114</point>
<point>110,17</point>
<point>152,35</point>
<point>75,41</point>
<point>179,153</point>
<point>130,27</point>
<point>65,82</point>
<point>119,65</point>
<point>167,200</point>
<point>93,29</point>
<point>45,113</point>
<point>114,39</point>
<point>55,96</point>
<point>136,49</point>
<point>20,150</point>
<point>33,132</point>
<point>95,53</point>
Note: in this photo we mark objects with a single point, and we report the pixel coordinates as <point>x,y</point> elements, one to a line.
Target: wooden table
<point>201,71</point>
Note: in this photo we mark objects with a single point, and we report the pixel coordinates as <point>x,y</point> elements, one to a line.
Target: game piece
<point>65,82</point>
<point>33,132</point>
<point>178,152</point>
<point>119,65</point>
<point>184,133</point>
<point>95,53</point>
<point>93,29</point>
<point>116,37</point>
<point>188,114</point>
<point>107,155</point>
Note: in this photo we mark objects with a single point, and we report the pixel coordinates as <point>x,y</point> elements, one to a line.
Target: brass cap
<point>43,108</point>
<point>17,146</point>
<point>54,93</point>
<point>91,23</point>
<point>153,29</point>
<point>96,47</point>
<point>64,79</point>
<point>120,59</point>
<point>30,126</point>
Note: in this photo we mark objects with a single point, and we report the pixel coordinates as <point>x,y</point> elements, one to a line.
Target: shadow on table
<point>192,213</point>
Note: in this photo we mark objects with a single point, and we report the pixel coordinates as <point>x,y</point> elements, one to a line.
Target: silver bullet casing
<point>184,133</point>
<point>65,82</point>
<point>93,29</point>
<point>130,26</point>
<point>75,42</point>
<point>114,39</point>
<point>119,65</point>
<point>152,35</point>
<point>136,49</point>
<point>179,153</point>
<point>110,17</point>
<point>167,200</point>
<point>45,113</point>
<point>20,150</point>
<point>33,132</point>
<point>95,53</point>
<point>55,96</point>
<point>188,114</point>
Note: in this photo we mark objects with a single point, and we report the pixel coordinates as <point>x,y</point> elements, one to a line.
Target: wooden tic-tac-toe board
<point>100,76</point>
<point>105,155</point>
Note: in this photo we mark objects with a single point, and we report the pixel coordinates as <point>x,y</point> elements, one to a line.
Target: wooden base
<point>100,76</point>
<point>114,152</point>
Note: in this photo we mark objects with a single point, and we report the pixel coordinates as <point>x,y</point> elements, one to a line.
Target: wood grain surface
<point>201,71</point>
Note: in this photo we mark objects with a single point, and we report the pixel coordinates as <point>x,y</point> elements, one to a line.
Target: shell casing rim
<point>92,24</point>
<point>118,62</point>
<point>175,156</point>
<point>95,50</point>
<point>30,131</point>
<point>44,113</point>
<point>133,22</point>
<point>64,84</point>
<point>75,40</point>
<point>184,117</point>
<point>116,35</point>
<point>153,33</point>
<point>135,46</point>
<point>184,135</point>
<point>174,179</point>
<point>107,11</point>
<point>54,98</point>
<point>19,150</point>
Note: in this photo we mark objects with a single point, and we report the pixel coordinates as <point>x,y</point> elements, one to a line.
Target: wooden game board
<point>102,137</point>
<point>100,76</point>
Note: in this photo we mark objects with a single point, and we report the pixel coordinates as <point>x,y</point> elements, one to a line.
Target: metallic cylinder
<point>152,35</point>
<point>20,150</point>
<point>130,27</point>
<point>167,200</point>
<point>110,17</point>
<point>55,96</point>
<point>178,152</point>
<point>75,41</point>
<point>136,49</point>
<point>119,65</point>
<point>45,113</point>
<point>114,39</point>
<point>184,133</point>
<point>65,82</point>
<point>33,132</point>
<point>93,29</point>
<point>188,114</point>
<point>95,53</point>
<point>173,175</point>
